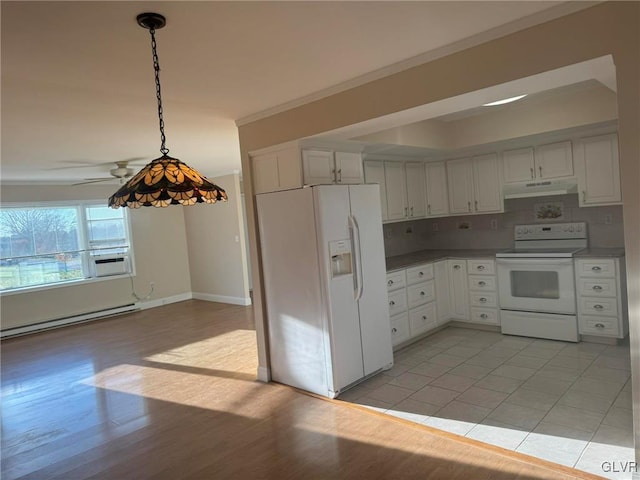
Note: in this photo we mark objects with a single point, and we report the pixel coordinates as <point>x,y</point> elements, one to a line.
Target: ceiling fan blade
<point>94,180</point>
<point>87,164</point>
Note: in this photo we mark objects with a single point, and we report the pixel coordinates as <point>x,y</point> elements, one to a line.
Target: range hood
<point>541,188</point>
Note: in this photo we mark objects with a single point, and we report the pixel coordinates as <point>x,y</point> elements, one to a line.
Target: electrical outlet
<point>435,227</point>
<point>494,224</point>
<point>409,230</point>
<point>608,219</point>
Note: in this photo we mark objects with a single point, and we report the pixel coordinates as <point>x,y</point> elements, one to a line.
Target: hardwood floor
<point>169,393</point>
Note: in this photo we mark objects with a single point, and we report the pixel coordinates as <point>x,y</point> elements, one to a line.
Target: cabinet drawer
<point>399,329</point>
<point>490,316</point>
<point>422,319</point>
<point>482,299</point>
<point>419,274</point>
<point>485,267</point>
<point>607,307</point>
<point>592,325</point>
<point>421,293</point>
<point>396,280</point>
<point>397,302</point>
<point>600,267</point>
<point>482,283</point>
<point>597,287</point>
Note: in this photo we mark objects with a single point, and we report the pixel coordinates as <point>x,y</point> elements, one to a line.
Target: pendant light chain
<point>156,67</point>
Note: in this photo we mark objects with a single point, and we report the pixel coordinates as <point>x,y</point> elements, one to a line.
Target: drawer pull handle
<point>484,315</point>
<point>596,268</point>
<point>483,300</point>
<point>422,294</point>
<point>598,307</point>
<point>392,303</point>
<point>599,325</point>
<point>421,274</point>
<point>482,283</point>
<point>597,288</point>
<point>394,330</point>
<point>532,174</point>
<point>424,317</point>
<point>390,282</point>
<point>457,267</point>
<point>480,267</point>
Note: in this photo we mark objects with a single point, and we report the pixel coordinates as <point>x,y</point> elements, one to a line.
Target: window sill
<point>67,284</point>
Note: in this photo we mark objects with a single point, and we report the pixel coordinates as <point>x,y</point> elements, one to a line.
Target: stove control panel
<point>554,231</point>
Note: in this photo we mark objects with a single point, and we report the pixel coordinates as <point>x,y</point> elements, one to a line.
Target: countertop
<point>425,256</point>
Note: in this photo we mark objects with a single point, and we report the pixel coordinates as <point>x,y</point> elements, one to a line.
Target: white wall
<point>160,250</point>
<point>217,251</point>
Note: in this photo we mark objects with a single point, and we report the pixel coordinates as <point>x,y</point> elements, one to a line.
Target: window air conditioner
<point>105,265</point>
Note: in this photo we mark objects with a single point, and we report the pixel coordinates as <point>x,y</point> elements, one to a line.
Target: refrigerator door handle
<point>355,246</point>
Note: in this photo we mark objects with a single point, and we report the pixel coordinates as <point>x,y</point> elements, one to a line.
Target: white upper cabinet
<point>518,165</point>
<point>348,168</point>
<point>554,160</point>
<point>436,183</point>
<point>598,170</point>
<point>275,170</point>
<point>460,181</point>
<point>396,192</point>
<point>474,185</point>
<point>324,167</point>
<point>374,173</point>
<point>486,184</point>
<point>416,189</point>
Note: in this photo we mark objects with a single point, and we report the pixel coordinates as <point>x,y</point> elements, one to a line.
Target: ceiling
<point>77,77</point>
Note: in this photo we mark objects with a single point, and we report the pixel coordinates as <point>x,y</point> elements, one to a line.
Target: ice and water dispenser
<point>340,253</point>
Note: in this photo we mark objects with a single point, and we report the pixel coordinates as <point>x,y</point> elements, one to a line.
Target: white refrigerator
<point>325,284</point>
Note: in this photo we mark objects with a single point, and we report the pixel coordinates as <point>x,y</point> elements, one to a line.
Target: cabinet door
<point>374,173</point>
<point>460,181</point>
<point>554,160</point>
<point>458,289</point>
<point>318,167</point>
<point>416,189</point>
<point>348,168</point>
<point>486,184</point>
<point>265,173</point>
<point>598,170</point>
<point>518,165</point>
<point>289,169</point>
<point>443,301</point>
<point>436,182</point>
<point>396,193</point>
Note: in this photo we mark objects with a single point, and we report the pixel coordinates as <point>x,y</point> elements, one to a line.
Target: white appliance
<point>325,285</point>
<point>536,281</point>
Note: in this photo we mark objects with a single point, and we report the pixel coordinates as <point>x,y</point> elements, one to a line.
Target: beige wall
<point>216,241</point>
<point>159,246</point>
<point>607,28</point>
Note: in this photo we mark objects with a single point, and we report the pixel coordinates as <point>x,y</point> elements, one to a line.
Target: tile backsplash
<point>604,225</point>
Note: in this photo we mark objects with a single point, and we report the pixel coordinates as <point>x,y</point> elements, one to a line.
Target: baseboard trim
<point>165,301</point>
<point>210,297</point>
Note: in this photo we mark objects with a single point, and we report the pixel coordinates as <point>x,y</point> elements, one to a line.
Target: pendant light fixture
<point>166,180</point>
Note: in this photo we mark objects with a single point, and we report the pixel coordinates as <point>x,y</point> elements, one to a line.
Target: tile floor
<point>564,402</point>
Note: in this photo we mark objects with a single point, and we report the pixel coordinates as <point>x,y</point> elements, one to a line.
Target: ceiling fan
<point>121,172</point>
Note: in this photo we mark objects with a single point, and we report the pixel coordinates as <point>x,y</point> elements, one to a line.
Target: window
<point>50,244</point>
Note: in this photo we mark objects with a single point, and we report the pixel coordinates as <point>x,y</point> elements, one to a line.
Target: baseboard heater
<point>61,322</point>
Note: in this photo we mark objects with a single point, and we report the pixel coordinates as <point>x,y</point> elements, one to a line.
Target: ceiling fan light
<point>166,180</point>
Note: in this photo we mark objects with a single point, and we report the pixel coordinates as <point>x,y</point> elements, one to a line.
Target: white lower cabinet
<point>458,291</point>
<point>483,292</point>
<point>423,319</point>
<point>443,300</point>
<point>601,296</point>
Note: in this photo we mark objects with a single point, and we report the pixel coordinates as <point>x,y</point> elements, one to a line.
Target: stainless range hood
<point>541,188</point>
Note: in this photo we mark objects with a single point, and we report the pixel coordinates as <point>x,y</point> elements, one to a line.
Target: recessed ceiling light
<point>503,101</point>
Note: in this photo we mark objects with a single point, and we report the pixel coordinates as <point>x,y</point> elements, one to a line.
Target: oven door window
<point>535,284</point>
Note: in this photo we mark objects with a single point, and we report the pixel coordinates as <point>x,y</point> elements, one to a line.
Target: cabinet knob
<point>392,303</point>
<point>598,307</point>
<point>596,268</point>
<point>482,300</point>
<point>421,274</point>
<point>482,283</point>
<point>422,294</point>
<point>394,330</point>
<point>599,325</point>
<point>457,267</point>
<point>597,288</point>
<point>480,267</point>
<point>484,316</point>
<point>424,317</point>
<point>390,282</point>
